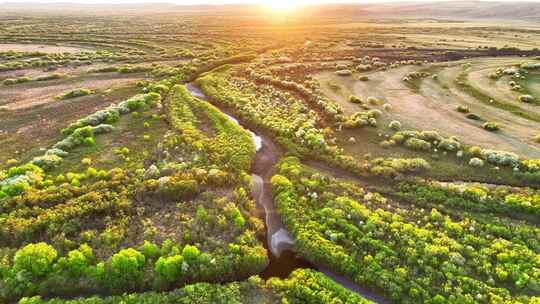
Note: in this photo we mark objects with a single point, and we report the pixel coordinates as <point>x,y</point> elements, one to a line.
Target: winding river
<point>278,241</point>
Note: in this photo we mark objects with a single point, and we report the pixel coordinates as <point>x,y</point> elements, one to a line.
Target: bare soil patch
<point>43,48</point>
<point>434,108</point>
<point>20,97</point>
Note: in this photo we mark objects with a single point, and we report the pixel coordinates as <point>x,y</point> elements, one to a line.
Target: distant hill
<point>458,9</point>
<point>526,11</point>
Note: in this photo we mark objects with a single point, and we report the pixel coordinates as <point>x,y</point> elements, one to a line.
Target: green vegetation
<point>303,286</point>
<point>491,126</point>
<point>362,235</point>
<point>461,81</point>
<point>74,94</point>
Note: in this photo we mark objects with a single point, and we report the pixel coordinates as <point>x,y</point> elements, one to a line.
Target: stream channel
<point>279,242</point>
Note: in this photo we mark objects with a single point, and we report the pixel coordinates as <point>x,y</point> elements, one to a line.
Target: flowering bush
<point>417,144</point>
<point>476,162</point>
<point>47,161</point>
<point>395,125</point>
<point>449,144</point>
<point>500,158</point>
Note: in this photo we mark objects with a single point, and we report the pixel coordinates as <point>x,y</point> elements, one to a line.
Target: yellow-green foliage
<point>230,146</point>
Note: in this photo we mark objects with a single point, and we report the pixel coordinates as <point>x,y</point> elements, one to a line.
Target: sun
<point>281,5</point>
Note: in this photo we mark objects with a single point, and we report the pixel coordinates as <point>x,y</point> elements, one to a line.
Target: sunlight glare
<point>281,6</point>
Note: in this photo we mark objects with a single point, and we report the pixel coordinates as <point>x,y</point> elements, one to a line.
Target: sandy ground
<point>68,70</point>
<point>433,108</point>
<point>18,97</point>
<point>517,133</point>
<point>39,48</point>
<point>25,130</point>
<point>500,89</point>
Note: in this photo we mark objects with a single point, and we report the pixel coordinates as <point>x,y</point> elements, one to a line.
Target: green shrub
<point>355,99</point>
<point>395,125</point>
<point>237,218</point>
<point>78,261</point>
<point>89,141</point>
<point>527,98</point>
<point>476,162</point>
<point>177,187</point>
<point>449,144</point>
<point>372,100</point>
<point>202,215</point>
<point>35,259</point>
<point>75,93</point>
<point>133,69</point>
<point>170,267</point>
<point>500,158</point>
<point>47,161</point>
<point>417,144</point>
<point>126,268</point>
<point>23,169</point>
<point>462,109</point>
<point>150,250</point>
<point>12,81</point>
<point>191,253</point>
<point>491,126</point>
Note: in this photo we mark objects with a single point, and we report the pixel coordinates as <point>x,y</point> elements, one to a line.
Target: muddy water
<point>279,242</point>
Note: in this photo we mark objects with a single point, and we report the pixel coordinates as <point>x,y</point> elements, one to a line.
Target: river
<point>278,241</point>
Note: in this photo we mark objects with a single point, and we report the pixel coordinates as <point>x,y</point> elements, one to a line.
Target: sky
<point>217,2</point>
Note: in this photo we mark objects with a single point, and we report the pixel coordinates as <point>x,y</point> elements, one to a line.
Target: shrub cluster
<point>361,119</point>
<point>13,81</point>
<point>75,93</point>
<point>112,114</point>
<point>393,167</point>
<point>37,267</point>
<point>411,254</point>
<point>425,141</point>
